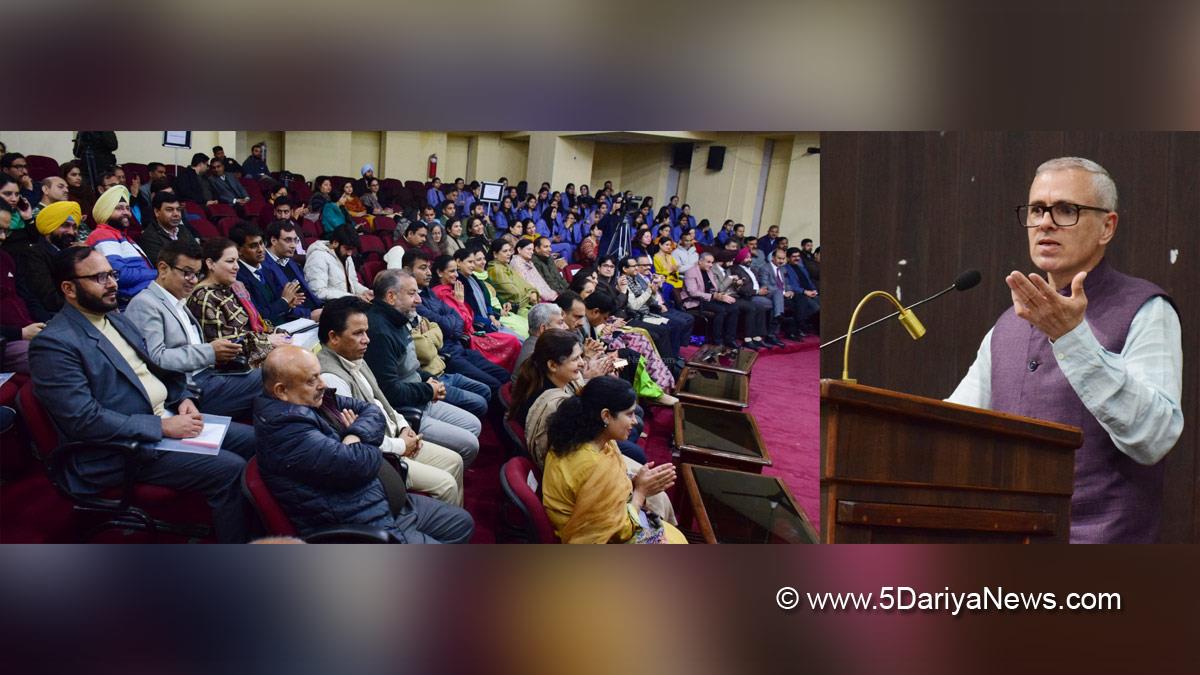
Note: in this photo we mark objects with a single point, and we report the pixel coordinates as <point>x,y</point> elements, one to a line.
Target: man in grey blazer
<point>92,373</point>
<point>174,339</point>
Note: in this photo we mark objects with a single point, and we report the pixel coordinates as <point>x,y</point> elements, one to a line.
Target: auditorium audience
<point>58,229</point>
<point>166,226</point>
<point>276,308</point>
<point>510,285</point>
<point>587,493</point>
<point>133,268</point>
<point>329,267</point>
<point>224,308</point>
<point>225,188</point>
<point>191,185</point>
<point>17,325</point>
<point>255,165</point>
<point>319,454</point>
<point>498,347</point>
<point>93,375</point>
<point>541,318</point>
<point>175,340</point>
<point>280,268</point>
<point>471,365</point>
<point>394,361</point>
<point>522,263</point>
<point>403,378</point>
<point>701,290</point>
<point>370,199</point>
<point>482,297</point>
<point>428,467</point>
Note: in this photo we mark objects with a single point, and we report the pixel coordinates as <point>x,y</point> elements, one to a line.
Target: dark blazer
<point>270,305</point>
<point>92,394</point>
<point>226,188</point>
<point>192,186</point>
<point>277,279</point>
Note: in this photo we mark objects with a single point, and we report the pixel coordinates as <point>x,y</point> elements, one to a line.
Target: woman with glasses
<point>224,309</point>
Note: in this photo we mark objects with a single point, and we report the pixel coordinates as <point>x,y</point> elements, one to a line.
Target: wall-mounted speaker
<point>681,155</point>
<point>716,157</point>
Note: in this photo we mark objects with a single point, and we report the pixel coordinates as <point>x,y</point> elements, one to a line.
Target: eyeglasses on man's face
<point>101,278</point>
<point>188,275</point>
<point>1062,214</point>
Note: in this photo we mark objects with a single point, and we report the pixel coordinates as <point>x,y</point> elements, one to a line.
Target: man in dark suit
<point>274,307</point>
<point>280,268</point>
<point>805,288</point>
<point>95,378</point>
<point>191,185</point>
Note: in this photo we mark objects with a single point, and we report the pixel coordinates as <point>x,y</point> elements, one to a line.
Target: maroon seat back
<point>369,269</point>
<point>269,511</point>
<point>371,246</point>
<point>205,229</point>
<point>37,421</point>
<point>522,482</point>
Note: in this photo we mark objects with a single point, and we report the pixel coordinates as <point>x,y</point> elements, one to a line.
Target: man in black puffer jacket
<point>320,458</point>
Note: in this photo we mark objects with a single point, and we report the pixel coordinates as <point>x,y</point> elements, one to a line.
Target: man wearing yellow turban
<point>58,224</point>
<point>111,214</point>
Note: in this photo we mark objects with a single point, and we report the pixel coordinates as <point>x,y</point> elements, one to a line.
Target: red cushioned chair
<point>277,524</point>
<point>385,224</point>
<point>506,394</point>
<point>127,507</point>
<point>204,229</point>
<point>40,166</point>
<point>371,247</point>
<point>253,210</point>
<point>253,189</point>
<point>514,431</point>
<point>523,518</point>
<point>218,211</point>
<point>227,223</point>
<point>569,271</point>
<point>192,210</point>
<point>370,269</point>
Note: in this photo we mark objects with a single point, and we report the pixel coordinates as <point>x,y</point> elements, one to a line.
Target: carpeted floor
<point>783,399</point>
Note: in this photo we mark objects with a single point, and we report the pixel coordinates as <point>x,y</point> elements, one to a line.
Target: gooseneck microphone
<point>965,281</point>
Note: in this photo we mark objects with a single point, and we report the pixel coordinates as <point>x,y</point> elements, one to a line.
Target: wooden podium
<point>897,468</point>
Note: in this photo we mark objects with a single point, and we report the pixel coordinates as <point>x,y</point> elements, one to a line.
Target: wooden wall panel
<point>909,211</point>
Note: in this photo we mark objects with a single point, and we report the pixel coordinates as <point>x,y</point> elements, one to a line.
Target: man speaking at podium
<point>1090,347</point>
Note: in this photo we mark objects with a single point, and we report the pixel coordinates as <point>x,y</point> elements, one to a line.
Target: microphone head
<point>967,280</point>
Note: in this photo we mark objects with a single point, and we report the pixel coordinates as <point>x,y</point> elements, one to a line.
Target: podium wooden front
<point>898,468</point>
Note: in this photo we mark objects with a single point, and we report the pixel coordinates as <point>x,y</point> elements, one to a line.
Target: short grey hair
<point>541,315</point>
<point>389,280</point>
<point>1102,182</point>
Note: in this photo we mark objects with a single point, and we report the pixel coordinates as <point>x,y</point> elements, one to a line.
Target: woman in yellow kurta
<point>588,496</point>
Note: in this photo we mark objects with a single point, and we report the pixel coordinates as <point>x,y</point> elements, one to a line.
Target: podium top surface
<point>840,392</point>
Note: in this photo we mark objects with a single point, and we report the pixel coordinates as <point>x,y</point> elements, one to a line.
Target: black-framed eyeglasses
<point>101,278</point>
<point>187,274</point>
<point>1062,214</point>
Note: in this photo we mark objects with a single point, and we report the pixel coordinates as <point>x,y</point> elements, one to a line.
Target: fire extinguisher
<point>432,167</point>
